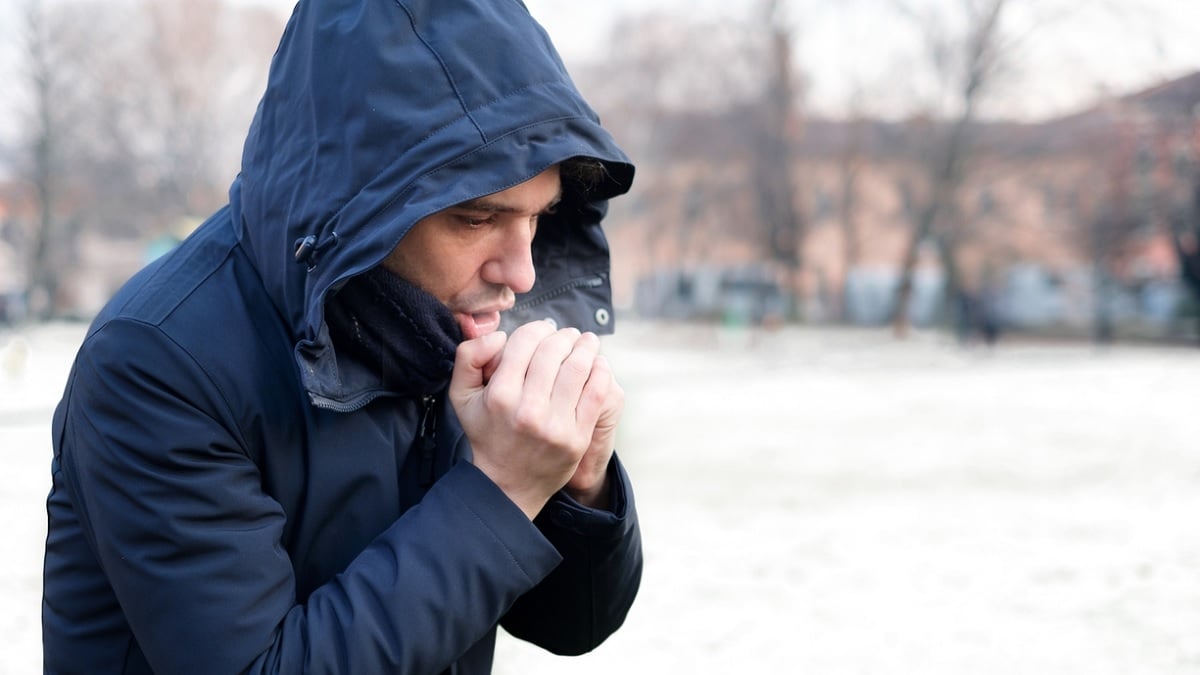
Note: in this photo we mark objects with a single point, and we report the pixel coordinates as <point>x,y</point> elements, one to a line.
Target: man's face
<point>475,257</point>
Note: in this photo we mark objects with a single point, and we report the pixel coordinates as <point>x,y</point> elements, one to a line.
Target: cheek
<point>461,277</point>
<point>444,261</point>
<point>400,263</point>
<point>450,275</point>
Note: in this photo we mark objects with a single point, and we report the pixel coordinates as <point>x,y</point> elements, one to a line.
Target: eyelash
<point>476,223</point>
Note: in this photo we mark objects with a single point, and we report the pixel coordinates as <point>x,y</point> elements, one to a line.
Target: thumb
<point>474,360</point>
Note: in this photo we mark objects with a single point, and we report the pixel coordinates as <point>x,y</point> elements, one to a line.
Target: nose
<point>511,264</point>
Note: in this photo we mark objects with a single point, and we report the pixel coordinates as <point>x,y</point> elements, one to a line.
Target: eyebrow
<point>486,203</point>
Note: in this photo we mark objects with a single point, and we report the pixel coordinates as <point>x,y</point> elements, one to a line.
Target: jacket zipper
<point>427,439</point>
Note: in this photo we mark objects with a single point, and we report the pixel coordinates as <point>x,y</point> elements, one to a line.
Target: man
<point>299,443</point>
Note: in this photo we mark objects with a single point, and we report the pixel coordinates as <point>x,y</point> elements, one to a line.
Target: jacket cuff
<point>563,512</point>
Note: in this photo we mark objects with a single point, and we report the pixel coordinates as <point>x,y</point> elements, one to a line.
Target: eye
<point>476,221</point>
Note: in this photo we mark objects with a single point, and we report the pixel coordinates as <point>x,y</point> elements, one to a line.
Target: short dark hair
<point>582,174</point>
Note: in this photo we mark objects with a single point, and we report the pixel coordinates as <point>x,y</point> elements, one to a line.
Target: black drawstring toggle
<point>307,249</point>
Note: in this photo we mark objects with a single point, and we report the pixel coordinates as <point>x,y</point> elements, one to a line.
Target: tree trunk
<point>43,278</point>
<point>851,166</point>
<point>949,173</point>
<point>772,170</point>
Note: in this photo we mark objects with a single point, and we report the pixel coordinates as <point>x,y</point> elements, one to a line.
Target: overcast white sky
<point>1073,49</point>
<point>849,45</point>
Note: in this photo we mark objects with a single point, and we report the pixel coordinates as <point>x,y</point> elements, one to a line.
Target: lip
<point>480,321</point>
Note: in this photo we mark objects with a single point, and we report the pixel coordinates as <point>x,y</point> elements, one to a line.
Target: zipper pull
<point>427,440</point>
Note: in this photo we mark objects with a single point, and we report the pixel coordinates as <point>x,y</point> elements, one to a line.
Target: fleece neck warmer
<point>394,328</point>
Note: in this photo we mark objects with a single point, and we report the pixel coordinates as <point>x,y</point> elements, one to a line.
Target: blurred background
<point>909,296</point>
<point>986,166</point>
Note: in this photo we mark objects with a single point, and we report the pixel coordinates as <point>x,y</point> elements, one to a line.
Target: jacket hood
<point>378,113</point>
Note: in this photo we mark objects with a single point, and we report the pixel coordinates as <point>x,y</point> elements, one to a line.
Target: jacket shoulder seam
<point>186,353</point>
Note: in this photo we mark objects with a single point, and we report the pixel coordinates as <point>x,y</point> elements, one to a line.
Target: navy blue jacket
<point>230,496</point>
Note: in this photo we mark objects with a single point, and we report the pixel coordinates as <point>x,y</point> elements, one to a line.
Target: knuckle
<point>463,352</point>
<point>500,399</point>
<point>616,390</point>
<point>527,419</point>
<point>595,395</point>
<point>556,343</point>
<point>578,366</point>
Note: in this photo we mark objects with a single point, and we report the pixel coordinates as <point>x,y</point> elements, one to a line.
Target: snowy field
<point>835,502</point>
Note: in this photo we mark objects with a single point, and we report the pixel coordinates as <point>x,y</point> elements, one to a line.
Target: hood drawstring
<point>308,249</point>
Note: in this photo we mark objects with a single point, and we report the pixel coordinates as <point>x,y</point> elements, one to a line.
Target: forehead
<point>531,196</point>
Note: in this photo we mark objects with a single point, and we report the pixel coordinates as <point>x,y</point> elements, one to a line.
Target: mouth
<point>478,324</point>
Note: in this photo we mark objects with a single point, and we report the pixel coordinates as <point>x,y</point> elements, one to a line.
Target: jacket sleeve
<point>174,511</point>
<point>586,598</point>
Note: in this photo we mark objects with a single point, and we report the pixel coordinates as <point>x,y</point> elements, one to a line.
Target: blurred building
<point>1053,219</point>
<point>1056,223</point>
<point>89,264</point>
<point>12,266</point>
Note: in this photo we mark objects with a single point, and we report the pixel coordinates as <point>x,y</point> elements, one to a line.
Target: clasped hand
<point>540,409</point>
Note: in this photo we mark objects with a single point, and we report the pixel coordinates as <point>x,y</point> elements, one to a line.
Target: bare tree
<point>1185,236</point>
<point>134,116</point>
<point>852,159</point>
<point>1144,150</point>
<point>675,90</point>
<point>1114,219</point>
<point>53,44</point>
<point>1184,215</point>
<point>775,189</point>
<point>967,63</point>
<point>192,51</point>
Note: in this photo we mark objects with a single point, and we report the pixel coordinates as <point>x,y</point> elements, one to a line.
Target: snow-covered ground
<point>33,369</point>
<point>832,502</point>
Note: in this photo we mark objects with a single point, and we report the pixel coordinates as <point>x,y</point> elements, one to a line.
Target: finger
<point>601,396</point>
<point>490,368</point>
<point>614,404</point>
<point>573,373</point>
<point>472,358</point>
<point>544,368</point>
<point>509,376</point>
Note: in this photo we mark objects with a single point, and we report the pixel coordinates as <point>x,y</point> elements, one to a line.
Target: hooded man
<point>300,442</point>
